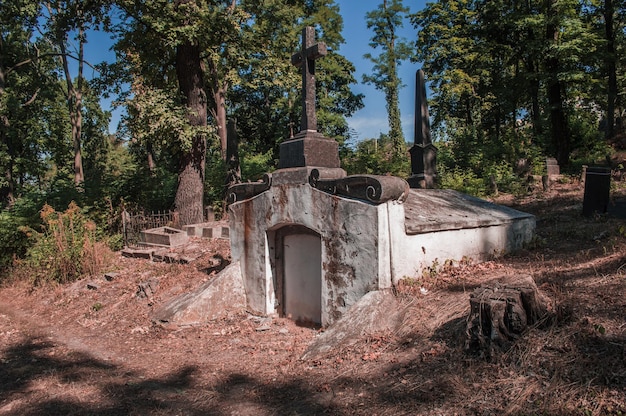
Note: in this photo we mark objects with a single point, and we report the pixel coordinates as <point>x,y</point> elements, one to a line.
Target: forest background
<point>510,83</point>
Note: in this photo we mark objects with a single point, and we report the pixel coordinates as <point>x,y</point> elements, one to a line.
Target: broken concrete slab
<point>138,253</point>
<point>212,300</point>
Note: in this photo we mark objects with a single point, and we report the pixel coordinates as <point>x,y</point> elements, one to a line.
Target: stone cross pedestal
<point>423,152</point>
<point>309,148</point>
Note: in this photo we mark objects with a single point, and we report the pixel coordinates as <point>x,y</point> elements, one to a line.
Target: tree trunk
<point>558,120</point>
<point>190,191</point>
<point>75,102</point>
<point>150,153</point>
<point>501,312</point>
<point>534,88</point>
<point>610,62</point>
<point>6,192</point>
<point>233,175</point>
<point>219,96</point>
<point>393,106</point>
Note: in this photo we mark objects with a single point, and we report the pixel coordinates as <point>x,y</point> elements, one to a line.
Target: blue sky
<point>372,119</point>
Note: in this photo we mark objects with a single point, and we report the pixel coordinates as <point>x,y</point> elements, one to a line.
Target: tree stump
<point>501,312</point>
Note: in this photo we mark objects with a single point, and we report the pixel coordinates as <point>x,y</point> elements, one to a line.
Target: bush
<point>13,241</point>
<point>15,229</point>
<point>66,249</point>
<point>462,180</point>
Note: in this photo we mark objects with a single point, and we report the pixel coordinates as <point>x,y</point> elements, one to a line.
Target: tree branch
<point>31,99</point>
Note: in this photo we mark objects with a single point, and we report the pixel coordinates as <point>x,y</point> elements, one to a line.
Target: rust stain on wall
<point>337,272</point>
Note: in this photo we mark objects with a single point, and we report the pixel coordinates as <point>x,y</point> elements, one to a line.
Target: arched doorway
<point>299,261</point>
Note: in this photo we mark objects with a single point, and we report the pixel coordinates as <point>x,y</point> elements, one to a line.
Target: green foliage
<point>376,157</point>
<point>158,118</point>
<point>16,225</point>
<point>501,70</point>
<point>384,22</point>
<point>149,190</point>
<point>215,180</point>
<point>462,180</point>
<point>65,250</point>
<point>255,165</point>
<point>505,179</point>
<point>267,99</point>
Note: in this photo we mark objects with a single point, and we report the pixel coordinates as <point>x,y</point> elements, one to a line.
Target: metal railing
<point>134,223</point>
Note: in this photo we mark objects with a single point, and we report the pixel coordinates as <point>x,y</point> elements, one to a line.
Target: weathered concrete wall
<point>366,247</point>
<point>355,244</point>
<point>413,253</point>
<point>434,226</point>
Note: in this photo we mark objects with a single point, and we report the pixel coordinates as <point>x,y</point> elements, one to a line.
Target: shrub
<point>66,249</point>
<point>15,229</point>
<point>461,180</point>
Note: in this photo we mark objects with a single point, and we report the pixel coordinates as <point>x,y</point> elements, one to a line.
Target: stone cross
<point>306,61</point>
<point>308,148</point>
<point>423,152</point>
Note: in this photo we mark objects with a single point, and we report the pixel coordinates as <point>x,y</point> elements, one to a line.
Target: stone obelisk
<point>423,152</point>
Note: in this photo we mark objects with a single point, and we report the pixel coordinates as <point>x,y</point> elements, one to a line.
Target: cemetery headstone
<point>597,190</point>
<point>552,167</point>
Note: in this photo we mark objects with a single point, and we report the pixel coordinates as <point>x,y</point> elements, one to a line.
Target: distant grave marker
<point>552,167</point>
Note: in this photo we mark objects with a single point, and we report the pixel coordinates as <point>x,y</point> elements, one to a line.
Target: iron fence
<point>134,223</point>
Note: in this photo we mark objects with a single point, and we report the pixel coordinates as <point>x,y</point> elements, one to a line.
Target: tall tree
<point>17,20</point>
<point>447,47</point>
<point>611,66</point>
<point>492,63</point>
<point>385,22</point>
<point>174,47</point>
<point>190,76</point>
<point>28,99</point>
<point>67,21</point>
<point>607,17</point>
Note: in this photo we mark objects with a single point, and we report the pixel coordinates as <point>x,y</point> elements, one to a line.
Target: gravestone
<point>423,153</point>
<point>597,191</point>
<point>552,167</point>
<point>308,147</point>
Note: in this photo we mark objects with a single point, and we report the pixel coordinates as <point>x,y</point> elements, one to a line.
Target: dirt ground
<point>91,348</point>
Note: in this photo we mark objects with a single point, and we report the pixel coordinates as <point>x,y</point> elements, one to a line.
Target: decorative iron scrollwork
<point>243,191</point>
<point>373,188</point>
